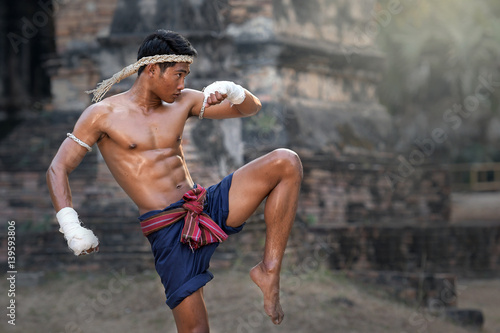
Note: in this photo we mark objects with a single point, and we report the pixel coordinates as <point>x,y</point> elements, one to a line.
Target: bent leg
<point>277,176</point>
<point>191,314</point>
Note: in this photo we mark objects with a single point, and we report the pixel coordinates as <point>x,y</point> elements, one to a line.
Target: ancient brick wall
<point>81,22</point>
<point>463,250</point>
<point>350,192</point>
<point>319,98</point>
<point>78,24</point>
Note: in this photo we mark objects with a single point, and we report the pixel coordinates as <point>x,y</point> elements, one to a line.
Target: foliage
<point>439,54</point>
<point>438,49</point>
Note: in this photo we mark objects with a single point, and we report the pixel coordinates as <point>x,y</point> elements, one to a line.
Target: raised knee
<point>288,161</point>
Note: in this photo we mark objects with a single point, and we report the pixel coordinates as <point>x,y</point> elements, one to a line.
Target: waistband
<point>199,229</point>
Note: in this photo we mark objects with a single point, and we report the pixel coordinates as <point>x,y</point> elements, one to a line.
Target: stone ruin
<point>315,67</point>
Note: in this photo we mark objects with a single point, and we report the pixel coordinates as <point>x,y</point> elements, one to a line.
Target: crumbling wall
<point>319,98</point>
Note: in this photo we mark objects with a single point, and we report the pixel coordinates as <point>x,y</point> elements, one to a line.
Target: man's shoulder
<point>95,115</point>
<point>191,94</point>
<point>106,106</point>
<point>191,99</point>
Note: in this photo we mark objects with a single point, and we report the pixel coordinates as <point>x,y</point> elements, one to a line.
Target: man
<point>139,135</point>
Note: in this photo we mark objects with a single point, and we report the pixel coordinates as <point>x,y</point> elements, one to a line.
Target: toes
<point>276,316</point>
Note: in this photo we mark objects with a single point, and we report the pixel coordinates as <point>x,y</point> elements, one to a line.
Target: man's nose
<point>181,85</point>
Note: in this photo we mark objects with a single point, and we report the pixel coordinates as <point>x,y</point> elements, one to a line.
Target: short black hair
<point>165,42</point>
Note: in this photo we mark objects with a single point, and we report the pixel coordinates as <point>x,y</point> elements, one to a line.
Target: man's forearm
<point>250,106</point>
<point>80,240</point>
<point>242,100</point>
<point>58,184</point>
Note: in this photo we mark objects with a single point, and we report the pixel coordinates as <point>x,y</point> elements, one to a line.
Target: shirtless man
<point>139,134</point>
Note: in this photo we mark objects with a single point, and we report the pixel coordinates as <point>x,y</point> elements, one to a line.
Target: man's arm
<point>68,157</point>
<point>225,99</point>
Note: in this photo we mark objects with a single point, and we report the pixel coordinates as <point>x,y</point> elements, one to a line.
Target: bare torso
<point>139,134</point>
<point>143,151</point>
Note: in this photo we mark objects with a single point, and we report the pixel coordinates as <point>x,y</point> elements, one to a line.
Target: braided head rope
<point>103,87</point>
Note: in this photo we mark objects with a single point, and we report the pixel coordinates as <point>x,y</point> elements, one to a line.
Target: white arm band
<point>80,142</point>
<point>79,238</point>
<point>235,93</point>
<point>203,107</point>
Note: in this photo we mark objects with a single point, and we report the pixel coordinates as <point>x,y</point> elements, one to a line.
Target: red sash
<point>199,229</point>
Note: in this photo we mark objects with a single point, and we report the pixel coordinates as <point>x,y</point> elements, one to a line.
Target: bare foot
<point>269,283</point>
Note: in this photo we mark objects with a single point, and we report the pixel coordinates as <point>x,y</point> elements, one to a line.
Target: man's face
<point>172,81</point>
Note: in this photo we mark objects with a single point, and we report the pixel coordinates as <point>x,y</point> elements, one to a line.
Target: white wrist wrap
<point>79,238</point>
<point>235,93</point>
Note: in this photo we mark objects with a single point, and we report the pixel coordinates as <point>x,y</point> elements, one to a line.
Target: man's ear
<point>151,69</point>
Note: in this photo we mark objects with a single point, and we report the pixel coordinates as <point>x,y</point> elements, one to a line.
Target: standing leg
<point>191,314</point>
<point>277,176</point>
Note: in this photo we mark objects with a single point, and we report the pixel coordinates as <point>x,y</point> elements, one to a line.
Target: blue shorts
<point>181,270</point>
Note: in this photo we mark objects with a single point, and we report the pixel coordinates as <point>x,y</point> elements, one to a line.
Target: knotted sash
<point>199,229</point>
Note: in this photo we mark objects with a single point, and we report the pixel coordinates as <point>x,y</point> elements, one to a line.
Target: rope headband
<point>103,87</point>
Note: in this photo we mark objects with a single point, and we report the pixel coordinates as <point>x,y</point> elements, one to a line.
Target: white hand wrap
<point>79,238</point>
<point>235,93</point>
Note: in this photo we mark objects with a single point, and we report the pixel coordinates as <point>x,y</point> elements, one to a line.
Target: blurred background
<point>392,105</point>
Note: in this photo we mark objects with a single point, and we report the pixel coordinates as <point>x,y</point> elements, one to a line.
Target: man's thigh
<point>252,183</point>
<point>191,314</point>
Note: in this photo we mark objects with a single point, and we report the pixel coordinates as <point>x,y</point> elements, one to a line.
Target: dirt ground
<point>484,295</point>
<point>316,300</point>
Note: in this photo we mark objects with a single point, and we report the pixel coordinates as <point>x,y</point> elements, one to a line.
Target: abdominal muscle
<point>153,179</point>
